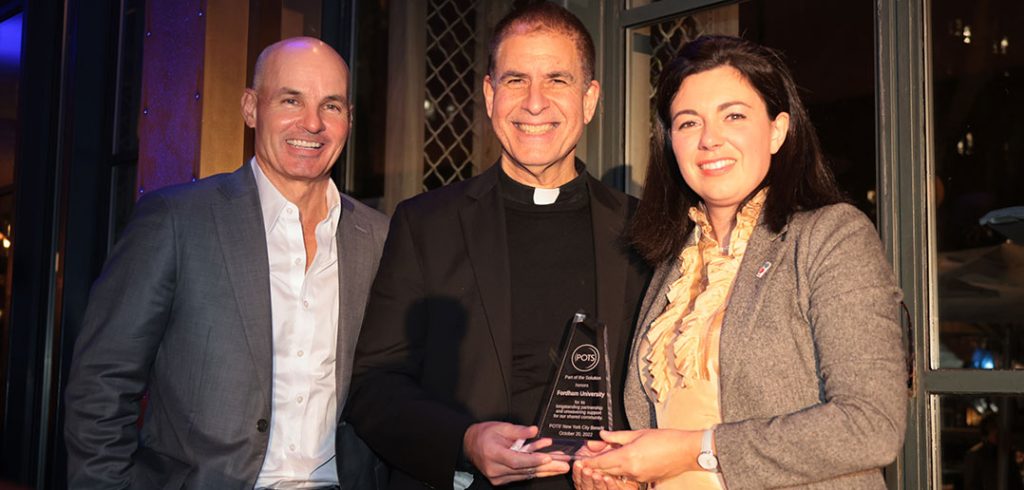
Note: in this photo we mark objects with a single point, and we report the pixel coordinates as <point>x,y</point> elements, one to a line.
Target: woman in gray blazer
<point>769,351</point>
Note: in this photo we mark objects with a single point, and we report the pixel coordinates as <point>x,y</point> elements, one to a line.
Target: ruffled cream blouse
<point>680,349</point>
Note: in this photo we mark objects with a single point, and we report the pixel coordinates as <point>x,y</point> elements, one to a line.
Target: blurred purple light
<point>10,41</point>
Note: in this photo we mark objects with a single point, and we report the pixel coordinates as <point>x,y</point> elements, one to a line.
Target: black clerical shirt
<point>551,258</point>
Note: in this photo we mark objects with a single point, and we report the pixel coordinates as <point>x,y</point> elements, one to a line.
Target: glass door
<point>10,71</point>
<point>974,378</point>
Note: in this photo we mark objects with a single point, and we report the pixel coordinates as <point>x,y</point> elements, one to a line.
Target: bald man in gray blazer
<point>194,307</point>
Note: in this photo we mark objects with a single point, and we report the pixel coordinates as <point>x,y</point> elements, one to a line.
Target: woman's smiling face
<point>723,137</point>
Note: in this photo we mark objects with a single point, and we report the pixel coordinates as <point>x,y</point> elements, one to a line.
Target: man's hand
<point>487,445</point>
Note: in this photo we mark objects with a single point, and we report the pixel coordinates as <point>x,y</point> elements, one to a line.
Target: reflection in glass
<point>6,266</point>
<point>835,73</point>
<point>300,18</point>
<point>10,68</point>
<point>978,92</point>
<point>982,441</point>
<point>10,71</point>
<point>370,123</point>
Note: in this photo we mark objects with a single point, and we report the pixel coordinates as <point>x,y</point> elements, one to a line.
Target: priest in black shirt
<point>480,279</point>
<point>551,260</point>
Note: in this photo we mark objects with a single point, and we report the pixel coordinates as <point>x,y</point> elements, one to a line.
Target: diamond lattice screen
<point>450,79</point>
<point>667,39</point>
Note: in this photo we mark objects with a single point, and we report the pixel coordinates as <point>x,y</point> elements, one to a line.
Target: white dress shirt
<point>304,310</point>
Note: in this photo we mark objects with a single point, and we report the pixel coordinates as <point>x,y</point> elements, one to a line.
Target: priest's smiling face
<point>539,100</point>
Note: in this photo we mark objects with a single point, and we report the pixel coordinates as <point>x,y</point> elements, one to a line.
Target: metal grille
<point>450,77</point>
<point>667,39</point>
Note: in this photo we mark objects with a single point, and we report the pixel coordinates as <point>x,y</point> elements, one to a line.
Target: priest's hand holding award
<point>576,410</point>
<point>497,451</point>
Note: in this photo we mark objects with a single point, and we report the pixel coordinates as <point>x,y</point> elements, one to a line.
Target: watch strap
<point>707,458</point>
<point>705,442</point>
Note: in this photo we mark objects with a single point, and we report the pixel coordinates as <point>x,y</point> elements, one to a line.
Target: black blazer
<point>434,355</point>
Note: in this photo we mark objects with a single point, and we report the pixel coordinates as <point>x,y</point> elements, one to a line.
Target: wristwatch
<point>706,458</point>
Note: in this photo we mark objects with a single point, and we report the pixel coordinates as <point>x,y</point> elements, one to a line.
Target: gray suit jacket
<point>182,310</point>
<point>813,374</point>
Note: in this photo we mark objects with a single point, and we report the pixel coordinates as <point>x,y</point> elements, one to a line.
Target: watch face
<point>707,461</point>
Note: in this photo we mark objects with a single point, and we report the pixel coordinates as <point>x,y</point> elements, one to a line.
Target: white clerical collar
<point>543,197</point>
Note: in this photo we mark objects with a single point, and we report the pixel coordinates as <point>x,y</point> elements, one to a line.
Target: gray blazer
<point>182,311</point>
<point>813,374</point>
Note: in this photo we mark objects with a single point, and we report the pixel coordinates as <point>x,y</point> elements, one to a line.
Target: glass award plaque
<point>579,404</point>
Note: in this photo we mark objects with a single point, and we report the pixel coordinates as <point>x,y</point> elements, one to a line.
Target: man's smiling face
<point>300,112</point>
<point>538,100</point>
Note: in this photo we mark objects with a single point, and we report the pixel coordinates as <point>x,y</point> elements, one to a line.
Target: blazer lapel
<point>764,254</point>
<point>355,264</point>
<point>239,221</point>
<point>483,228</point>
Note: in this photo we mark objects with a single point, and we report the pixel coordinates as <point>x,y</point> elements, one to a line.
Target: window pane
<point>300,18</point>
<point>6,268</point>
<point>369,127</point>
<point>10,71</point>
<point>982,438</point>
<point>978,90</point>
